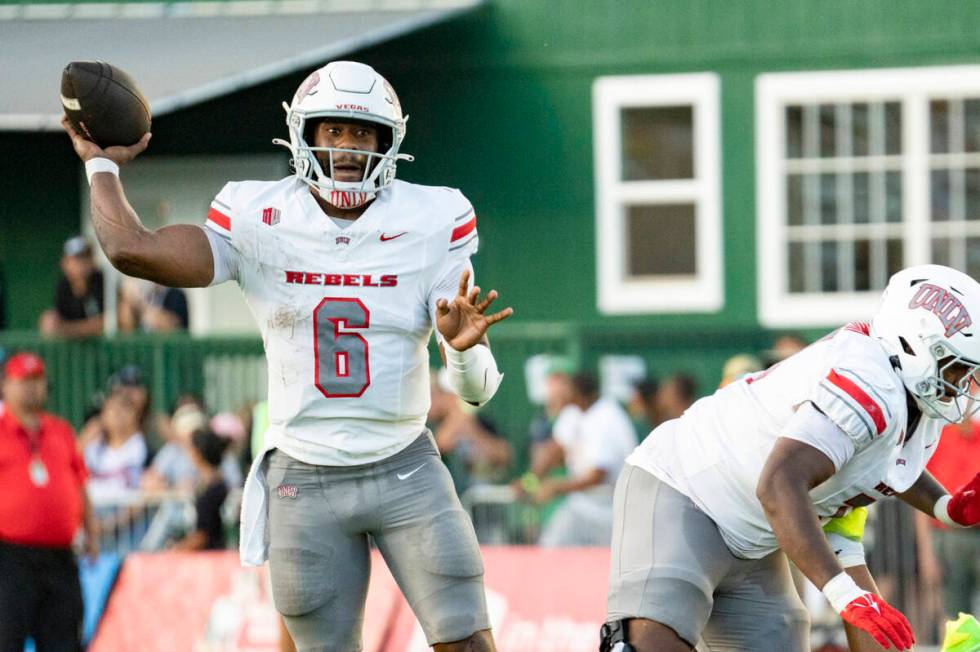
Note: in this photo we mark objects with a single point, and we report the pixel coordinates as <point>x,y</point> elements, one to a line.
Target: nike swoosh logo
<point>386,238</point>
<point>406,476</point>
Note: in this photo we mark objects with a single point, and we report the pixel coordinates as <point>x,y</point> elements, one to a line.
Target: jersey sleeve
<point>218,228</point>
<point>811,426</point>
<point>464,240</point>
<point>857,397</point>
<point>458,240</point>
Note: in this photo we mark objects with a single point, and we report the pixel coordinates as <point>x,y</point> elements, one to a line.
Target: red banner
<point>540,600</point>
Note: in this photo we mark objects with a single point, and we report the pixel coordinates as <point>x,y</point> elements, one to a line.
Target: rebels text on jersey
<point>345,313</point>
<point>715,452</point>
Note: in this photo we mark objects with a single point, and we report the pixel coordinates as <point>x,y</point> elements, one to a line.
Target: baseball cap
<point>77,246</point>
<point>24,365</point>
<point>128,376</point>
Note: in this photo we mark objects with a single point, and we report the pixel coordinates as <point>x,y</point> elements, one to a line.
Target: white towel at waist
<point>253,545</point>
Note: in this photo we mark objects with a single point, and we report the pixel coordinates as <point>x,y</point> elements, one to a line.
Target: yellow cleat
<point>962,635</point>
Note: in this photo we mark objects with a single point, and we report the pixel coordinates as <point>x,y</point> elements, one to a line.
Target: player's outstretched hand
<point>886,624</point>
<point>463,321</point>
<point>86,149</point>
<point>964,506</point>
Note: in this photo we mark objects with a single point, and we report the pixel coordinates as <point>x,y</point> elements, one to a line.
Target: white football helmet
<point>925,324</point>
<point>349,91</point>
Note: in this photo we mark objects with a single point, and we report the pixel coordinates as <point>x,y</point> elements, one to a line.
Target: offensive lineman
<point>345,270</point>
<point>710,506</point>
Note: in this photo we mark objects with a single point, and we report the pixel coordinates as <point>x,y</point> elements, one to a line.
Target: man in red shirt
<point>951,556</point>
<point>42,505</point>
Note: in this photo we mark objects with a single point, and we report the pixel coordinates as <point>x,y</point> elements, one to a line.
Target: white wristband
<point>841,591</point>
<point>95,165</point>
<point>472,373</point>
<point>941,511</point>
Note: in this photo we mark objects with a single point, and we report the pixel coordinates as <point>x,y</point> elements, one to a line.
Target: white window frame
<point>617,294</point>
<point>913,89</point>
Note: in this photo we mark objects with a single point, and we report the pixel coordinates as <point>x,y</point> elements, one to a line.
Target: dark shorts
<point>320,518</point>
<point>40,597</point>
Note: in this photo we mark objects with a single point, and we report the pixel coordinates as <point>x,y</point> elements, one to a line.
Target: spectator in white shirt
<point>593,436</point>
<point>115,459</point>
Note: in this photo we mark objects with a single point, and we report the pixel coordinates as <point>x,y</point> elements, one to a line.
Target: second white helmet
<point>345,90</point>
<point>925,323</point>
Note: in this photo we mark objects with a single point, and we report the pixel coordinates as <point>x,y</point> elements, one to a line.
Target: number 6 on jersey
<point>342,369</point>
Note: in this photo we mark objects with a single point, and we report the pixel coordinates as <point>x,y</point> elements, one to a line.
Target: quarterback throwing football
<point>710,506</point>
<point>345,270</point>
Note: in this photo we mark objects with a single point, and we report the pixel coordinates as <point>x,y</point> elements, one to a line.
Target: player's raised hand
<point>463,321</point>
<point>886,624</point>
<point>86,149</point>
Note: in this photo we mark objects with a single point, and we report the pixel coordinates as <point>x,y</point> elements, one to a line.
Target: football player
<point>710,505</point>
<point>346,269</point>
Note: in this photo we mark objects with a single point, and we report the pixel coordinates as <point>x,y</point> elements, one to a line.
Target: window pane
<point>861,189</point>
<point>658,143</point>
<point>971,113</point>
<point>794,132</point>
<point>859,129</point>
<point>829,251</point>
<point>662,240</point>
<point>972,194</point>
<point>794,199</point>
<point>862,265</point>
<point>828,131</point>
<point>828,198</point>
<point>893,128</point>
<point>796,267</point>
<point>939,126</point>
<point>940,251</point>
<point>973,257</point>
<point>939,195</point>
<point>893,196</point>
<point>896,259</point>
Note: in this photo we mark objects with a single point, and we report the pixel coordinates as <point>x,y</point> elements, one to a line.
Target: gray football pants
<point>319,559</point>
<point>670,564</point>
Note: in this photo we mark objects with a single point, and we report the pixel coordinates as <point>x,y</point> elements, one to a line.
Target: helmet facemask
<point>952,393</point>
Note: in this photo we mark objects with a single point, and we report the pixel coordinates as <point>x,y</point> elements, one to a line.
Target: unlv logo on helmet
<point>306,88</point>
<point>944,305</point>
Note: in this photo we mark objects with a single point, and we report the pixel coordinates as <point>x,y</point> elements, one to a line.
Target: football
<point>104,104</point>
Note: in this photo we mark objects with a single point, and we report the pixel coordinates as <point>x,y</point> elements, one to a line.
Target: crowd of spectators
<point>79,309</point>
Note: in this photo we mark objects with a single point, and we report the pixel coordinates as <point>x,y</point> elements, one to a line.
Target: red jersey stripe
<point>862,327</point>
<point>859,395</point>
<point>461,231</point>
<point>219,218</point>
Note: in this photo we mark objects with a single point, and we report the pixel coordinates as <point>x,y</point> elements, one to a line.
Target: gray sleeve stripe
<point>464,243</point>
<point>222,204</point>
<point>464,215</point>
<point>846,400</point>
<point>854,379</point>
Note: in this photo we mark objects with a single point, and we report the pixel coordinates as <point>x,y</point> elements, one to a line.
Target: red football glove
<point>964,506</point>
<point>885,623</point>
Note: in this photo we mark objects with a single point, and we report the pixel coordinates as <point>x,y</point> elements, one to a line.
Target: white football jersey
<point>715,452</point>
<point>345,313</point>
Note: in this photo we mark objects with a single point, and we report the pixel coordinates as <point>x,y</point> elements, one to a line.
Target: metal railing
<point>134,520</point>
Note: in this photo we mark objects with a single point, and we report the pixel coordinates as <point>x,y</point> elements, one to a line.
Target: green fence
<point>229,372</point>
